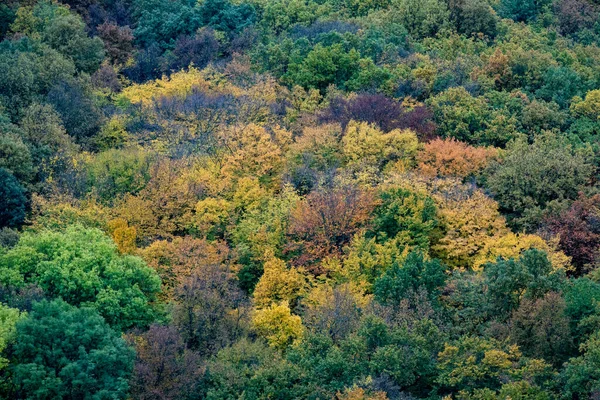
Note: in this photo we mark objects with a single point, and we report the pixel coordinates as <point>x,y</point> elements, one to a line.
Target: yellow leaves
<point>251,152</point>
<point>58,213</point>
<point>590,107</point>
<point>278,326</point>
<point>365,144</point>
<point>358,393</point>
<point>469,221</point>
<point>497,359</point>
<point>472,359</point>
<point>305,100</point>
<point>211,212</point>
<point>123,235</point>
<point>112,134</point>
<point>248,194</point>
<point>279,283</point>
<point>472,230</point>
<point>511,245</point>
<point>178,84</point>
<point>366,259</point>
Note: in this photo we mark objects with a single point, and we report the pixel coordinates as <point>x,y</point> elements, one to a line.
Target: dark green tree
<point>509,281</point>
<point>13,202</point>
<point>556,172</point>
<point>400,281</point>
<point>69,353</point>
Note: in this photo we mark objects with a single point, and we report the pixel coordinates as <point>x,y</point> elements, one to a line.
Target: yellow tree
<point>278,326</point>
<point>469,219</point>
<point>279,283</point>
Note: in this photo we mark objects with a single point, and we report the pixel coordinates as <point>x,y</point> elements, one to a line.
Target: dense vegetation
<point>299,199</point>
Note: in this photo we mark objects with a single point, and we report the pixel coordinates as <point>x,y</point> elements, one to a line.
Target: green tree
<point>581,375</point>
<point>556,172</point>
<point>324,66</point>
<point>509,281</point>
<point>67,35</point>
<point>422,18</point>
<point>8,321</point>
<point>15,157</point>
<point>399,281</point>
<point>520,10</point>
<point>13,202</point>
<point>541,329</point>
<point>402,213</point>
<point>83,267</point>
<point>69,353</point>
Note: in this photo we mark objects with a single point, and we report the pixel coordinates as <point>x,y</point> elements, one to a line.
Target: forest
<point>299,199</point>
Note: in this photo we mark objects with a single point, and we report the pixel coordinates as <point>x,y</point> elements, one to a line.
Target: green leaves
<point>401,281</point>
<point>532,178</point>
<point>69,353</point>
<point>82,266</point>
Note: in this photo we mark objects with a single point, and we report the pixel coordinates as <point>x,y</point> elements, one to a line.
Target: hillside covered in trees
<point>299,199</point>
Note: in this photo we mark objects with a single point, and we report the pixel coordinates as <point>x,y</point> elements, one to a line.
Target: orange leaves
<point>123,235</point>
<point>178,259</point>
<point>325,221</point>
<point>450,157</point>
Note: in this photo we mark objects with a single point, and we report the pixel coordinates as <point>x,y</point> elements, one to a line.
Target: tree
<point>69,353</point>
<point>164,368</point>
<point>8,321</point>
<point>367,148</point>
<point>177,260</point>
<point>556,173</point>
<point>406,214</point>
<point>449,157</point>
<point>582,296</point>
<point>278,326</point>
<point>326,221</point>
<point>422,18</point>
<point>196,50</point>
<point>13,202</point>
<point>473,17</point>
<point>579,236</point>
<point>227,17</point>
<point>521,10</point>
<point>118,41</point>
<point>25,75</point>
<point>468,219</point>
<point>15,157</point>
<point>333,312</point>
<point>541,329</point>
<point>51,148</point>
<point>581,375</point>
<point>279,283</point>
<point>66,34</point>
<point>471,362</point>
<point>575,15</point>
<point>375,109</point>
<point>83,267</point>
<point>78,112</point>
<point>210,310</point>
<point>509,281</point>
<point>324,66</point>
<point>400,281</point>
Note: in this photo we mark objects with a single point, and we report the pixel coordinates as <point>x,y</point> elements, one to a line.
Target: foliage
<point>299,199</point>
<point>82,266</point>
<point>278,326</point>
<point>13,201</point>
<point>557,172</point>
<point>70,353</point>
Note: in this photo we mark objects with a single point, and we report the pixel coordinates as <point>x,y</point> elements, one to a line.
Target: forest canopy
<point>299,199</point>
